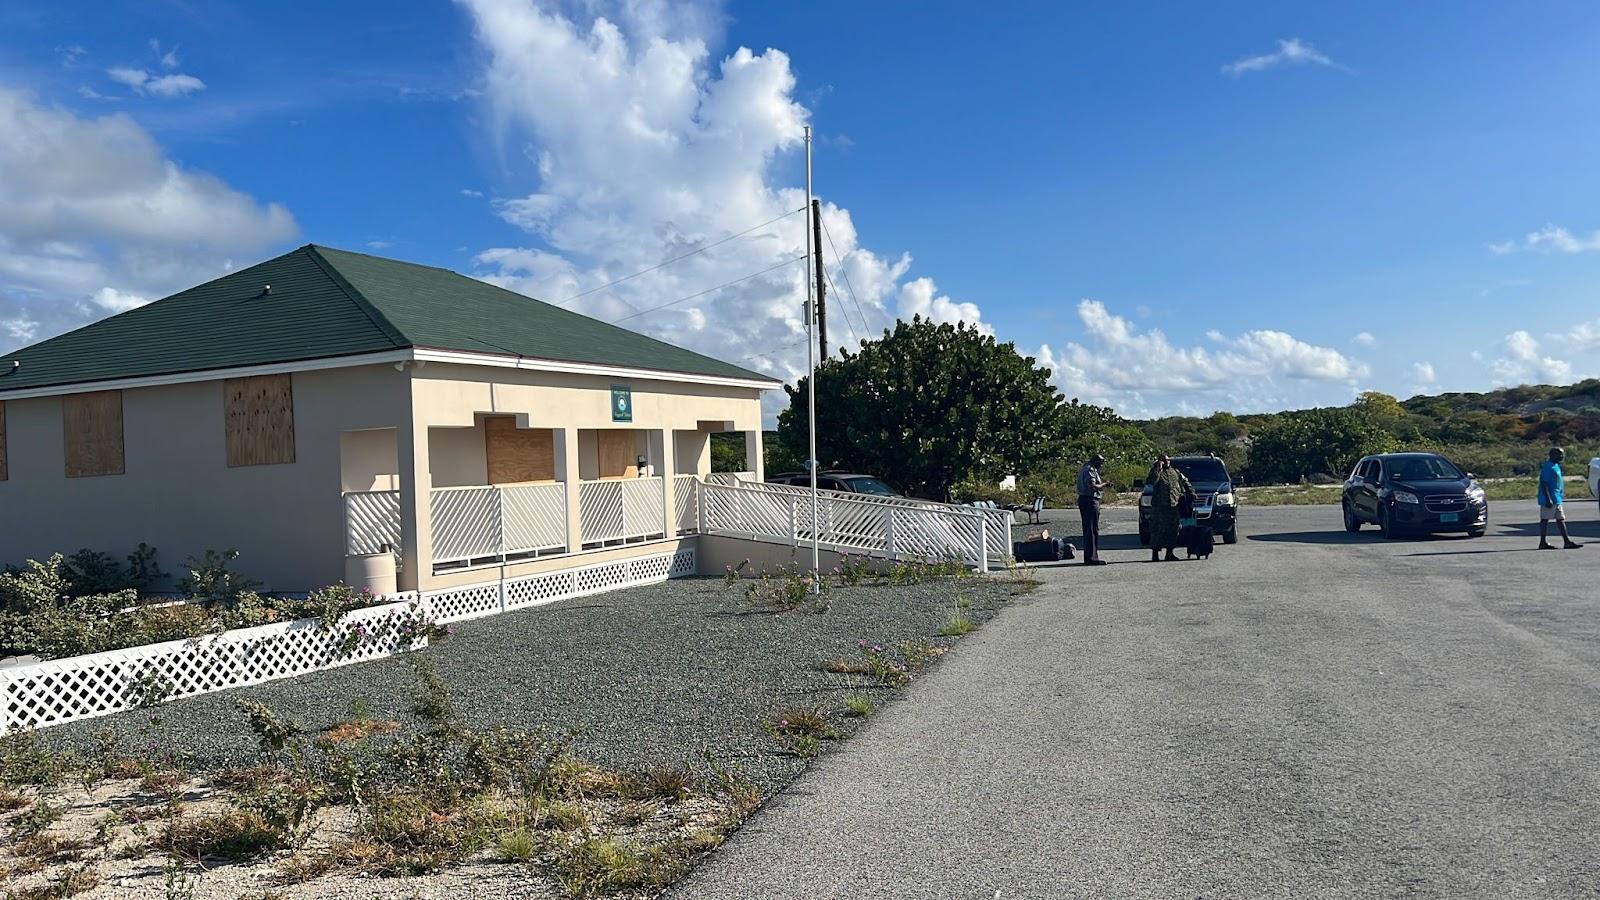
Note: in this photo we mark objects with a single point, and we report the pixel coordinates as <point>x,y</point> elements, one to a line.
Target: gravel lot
<point>651,675</point>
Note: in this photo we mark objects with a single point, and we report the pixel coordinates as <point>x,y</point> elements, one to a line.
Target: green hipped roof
<point>326,303</point>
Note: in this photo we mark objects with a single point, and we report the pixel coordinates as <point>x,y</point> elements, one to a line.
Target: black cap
<point>1096,460</point>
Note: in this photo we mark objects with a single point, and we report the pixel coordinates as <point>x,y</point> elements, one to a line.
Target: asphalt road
<point>1308,713</point>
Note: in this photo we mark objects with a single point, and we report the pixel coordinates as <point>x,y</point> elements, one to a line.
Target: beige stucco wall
<point>481,574</point>
<point>178,493</point>
<point>287,521</point>
<point>369,460</point>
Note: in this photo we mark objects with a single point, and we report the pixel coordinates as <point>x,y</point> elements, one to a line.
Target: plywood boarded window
<point>258,413</point>
<point>619,453</point>
<point>91,426</point>
<point>518,454</point>
<point>4,472</point>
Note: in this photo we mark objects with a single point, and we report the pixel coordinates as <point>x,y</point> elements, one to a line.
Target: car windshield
<point>870,486</point>
<point>1422,468</point>
<point>1206,471</point>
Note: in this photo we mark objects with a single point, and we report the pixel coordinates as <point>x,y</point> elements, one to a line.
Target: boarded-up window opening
<point>258,413</point>
<point>619,453</point>
<point>4,471</point>
<point>91,426</point>
<point>518,454</point>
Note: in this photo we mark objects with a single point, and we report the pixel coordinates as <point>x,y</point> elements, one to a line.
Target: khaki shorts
<point>1557,512</point>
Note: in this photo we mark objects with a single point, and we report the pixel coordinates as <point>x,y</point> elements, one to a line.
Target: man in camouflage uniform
<point>1168,488</point>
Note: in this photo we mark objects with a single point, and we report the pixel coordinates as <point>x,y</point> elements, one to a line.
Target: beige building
<point>324,412</point>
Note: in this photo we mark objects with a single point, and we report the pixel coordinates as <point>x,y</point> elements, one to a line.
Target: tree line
<point>945,411</point>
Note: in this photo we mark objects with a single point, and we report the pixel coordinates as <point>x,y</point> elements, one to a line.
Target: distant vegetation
<point>945,412</point>
<point>1497,434</point>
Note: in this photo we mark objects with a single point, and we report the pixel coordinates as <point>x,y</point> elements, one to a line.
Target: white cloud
<point>94,218</point>
<point>1423,373</point>
<point>469,192</point>
<point>1550,239</point>
<point>1144,372</point>
<point>920,298</point>
<point>379,245</point>
<point>1583,336</point>
<point>1366,339</point>
<point>169,59</point>
<point>1291,52</point>
<point>647,148</point>
<point>166,86</point>
<point>1523,363</point>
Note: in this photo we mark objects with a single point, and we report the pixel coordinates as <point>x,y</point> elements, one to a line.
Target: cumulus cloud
<point>1522,363</point>
<point>1291,52</point>
<point>94,218</point>
<point>1549,239</point>
<point>165,86</point>
<point>1583,336</point>
<point>1423,373</point>
<point>1366,339</point>
<point>1142,372</point>
<point>646,148</point>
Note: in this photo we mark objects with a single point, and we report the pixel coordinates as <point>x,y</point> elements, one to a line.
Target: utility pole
<point>822,287</point>
<point>811,384</point>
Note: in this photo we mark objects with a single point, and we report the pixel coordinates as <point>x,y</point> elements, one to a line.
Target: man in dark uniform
<point>1090,489</point>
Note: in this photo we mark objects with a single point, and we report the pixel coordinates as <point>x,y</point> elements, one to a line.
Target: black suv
<point>829,480</point>
<point>1215,503</point>
<point>1414,492</point>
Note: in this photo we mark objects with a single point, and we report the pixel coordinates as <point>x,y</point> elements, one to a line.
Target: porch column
<point>416,524</point>
<point>752,453</point>
<point>567,465</point>
<point>668,468</point>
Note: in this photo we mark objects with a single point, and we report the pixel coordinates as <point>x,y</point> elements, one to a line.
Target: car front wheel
<point>1144,533</point>
<point>1231,536</point>
<point>1351,523</point>
<point>1385,525</point>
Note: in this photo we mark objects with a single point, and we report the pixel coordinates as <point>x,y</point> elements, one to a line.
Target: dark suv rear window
<point>1203,470</point>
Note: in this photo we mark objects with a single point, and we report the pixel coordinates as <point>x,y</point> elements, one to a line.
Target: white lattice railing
<point>97,684</point>
<point>371,520</point>
<point>685,499</point>
<point>892,527</point>
<point>624,509</point>
<point>486,599</point>
<point>490,522</point>
<point>731,478</point>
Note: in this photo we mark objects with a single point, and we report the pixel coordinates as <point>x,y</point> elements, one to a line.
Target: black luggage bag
<point>1197,540</point>
<point>1046,550</point>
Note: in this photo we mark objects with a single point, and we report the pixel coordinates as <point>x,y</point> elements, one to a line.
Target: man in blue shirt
<point>1551,483</point>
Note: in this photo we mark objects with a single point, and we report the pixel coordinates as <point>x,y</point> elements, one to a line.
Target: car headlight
<point>1404,497</point>
<point>1475,492</point>
<point>1225,499</point>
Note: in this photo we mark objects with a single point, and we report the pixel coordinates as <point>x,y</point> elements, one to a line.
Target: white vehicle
<point>1594,477</point>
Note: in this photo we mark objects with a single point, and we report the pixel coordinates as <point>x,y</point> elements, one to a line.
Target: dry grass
<point>234,834</point>
<point>359,729</point>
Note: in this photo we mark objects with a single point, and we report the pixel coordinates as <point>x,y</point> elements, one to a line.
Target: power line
<point>846,273</point>
<point>787,262</point>
<point>772,352</point>
<point>676,259</point>
<point>847,322</point>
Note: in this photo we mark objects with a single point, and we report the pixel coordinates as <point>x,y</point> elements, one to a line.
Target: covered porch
<point>479,490</point>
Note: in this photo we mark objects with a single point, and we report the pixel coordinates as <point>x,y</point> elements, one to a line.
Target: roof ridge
<point>394,334</point>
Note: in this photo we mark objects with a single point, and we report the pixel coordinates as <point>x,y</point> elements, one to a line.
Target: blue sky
<point>1238,206</point>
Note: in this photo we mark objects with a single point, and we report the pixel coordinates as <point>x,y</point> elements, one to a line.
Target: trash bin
<point>373,571</point>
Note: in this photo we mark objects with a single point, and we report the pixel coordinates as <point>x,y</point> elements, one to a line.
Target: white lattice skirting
<point>487,599</point>
<point>98,684</point>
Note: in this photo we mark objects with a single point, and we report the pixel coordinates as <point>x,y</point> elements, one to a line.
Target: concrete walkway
<point>1308,713</point>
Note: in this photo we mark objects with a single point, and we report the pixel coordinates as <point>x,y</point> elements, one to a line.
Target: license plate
<point>1202,510</point>
<point>1448,517</point>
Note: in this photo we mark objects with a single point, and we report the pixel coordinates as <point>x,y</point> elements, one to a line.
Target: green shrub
<point>211,581</point>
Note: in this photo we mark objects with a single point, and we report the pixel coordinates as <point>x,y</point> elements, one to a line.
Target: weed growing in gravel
<point>958,625</point>
<point>857,706</point>
<point>802,730</point>
<point>601,866</point>
<point>518,845</point>
<point>732,574</point>
<point>69,883</point>
<point>234,834</point>
<point>880,665</point>
<point>854,570</point>
<point>787,590</point>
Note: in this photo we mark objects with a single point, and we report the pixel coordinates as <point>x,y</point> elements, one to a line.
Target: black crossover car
<point>1414,492</point>
<point>1215,504</point>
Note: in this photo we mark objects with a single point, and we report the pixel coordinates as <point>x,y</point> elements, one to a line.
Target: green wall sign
<point>621,403</point>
